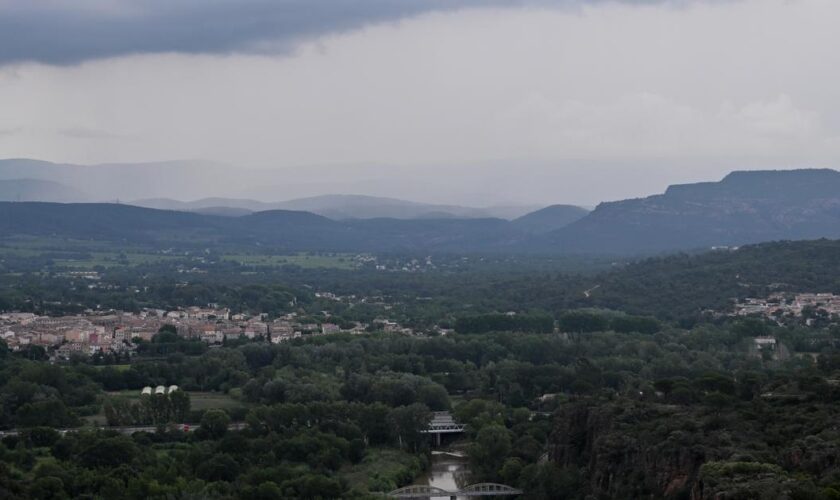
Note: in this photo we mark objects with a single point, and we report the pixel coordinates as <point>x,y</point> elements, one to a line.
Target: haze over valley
<point>367,249</point>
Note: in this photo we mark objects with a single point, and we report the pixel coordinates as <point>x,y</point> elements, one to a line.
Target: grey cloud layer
<point>56,35</point>
<point>68,32</point>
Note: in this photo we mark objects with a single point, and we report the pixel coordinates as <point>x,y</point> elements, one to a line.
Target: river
<point>448,471</point>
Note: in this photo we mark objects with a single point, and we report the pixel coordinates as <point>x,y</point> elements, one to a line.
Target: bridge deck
<point>443,423</point>
<point>473,490</point>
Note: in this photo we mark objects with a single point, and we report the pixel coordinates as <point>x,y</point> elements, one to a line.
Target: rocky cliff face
<point>745,207</point>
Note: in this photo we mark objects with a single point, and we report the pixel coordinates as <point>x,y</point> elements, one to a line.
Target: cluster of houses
<point>409,265</point>
<point>68,335</point>
<point>780,305</point>
<point>119,332</point>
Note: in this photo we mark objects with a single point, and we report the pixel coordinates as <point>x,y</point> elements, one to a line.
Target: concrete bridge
<point>473,490</point>
<point>443,423</point>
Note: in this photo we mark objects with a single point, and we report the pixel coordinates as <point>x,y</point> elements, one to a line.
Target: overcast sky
<point>437,100</point>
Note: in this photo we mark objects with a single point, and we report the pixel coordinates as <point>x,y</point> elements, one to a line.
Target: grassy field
<point>111,259</point>
<point>40,244</point>
<point>199,401</point>
<point>119,368</point>
<point>211,400</point>
<point>63,253</point>
<point>87,255</point>
<point>335,261</point>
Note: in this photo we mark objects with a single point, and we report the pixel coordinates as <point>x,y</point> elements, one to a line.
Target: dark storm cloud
<point>68,32</point>
<point>57,35</point>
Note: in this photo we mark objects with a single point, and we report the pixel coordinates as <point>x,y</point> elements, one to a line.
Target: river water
<point>449,471</point>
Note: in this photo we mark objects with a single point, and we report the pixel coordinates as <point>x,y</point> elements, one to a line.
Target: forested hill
<point>550,218</point>
<point>743,208</point>
<point>682,285</point>
<point>281,229</point>
<point>101,221</point>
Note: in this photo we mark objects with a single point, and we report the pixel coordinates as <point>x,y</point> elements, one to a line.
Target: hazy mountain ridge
<point>40,190</point>
<point>121,181</point>
<point>744,207</point>
<point>203,204</point>
<point>550,218</point>
<point>336,206</point>
<point>220,187</point>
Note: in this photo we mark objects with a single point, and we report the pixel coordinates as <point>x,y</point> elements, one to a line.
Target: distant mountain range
<point>162,184</point>
<point>280,229</point>
<point>338,207</point>
<point>745,207</point>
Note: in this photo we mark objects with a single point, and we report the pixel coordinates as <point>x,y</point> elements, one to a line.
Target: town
<point>119,332</point>
<point>779,306</point>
